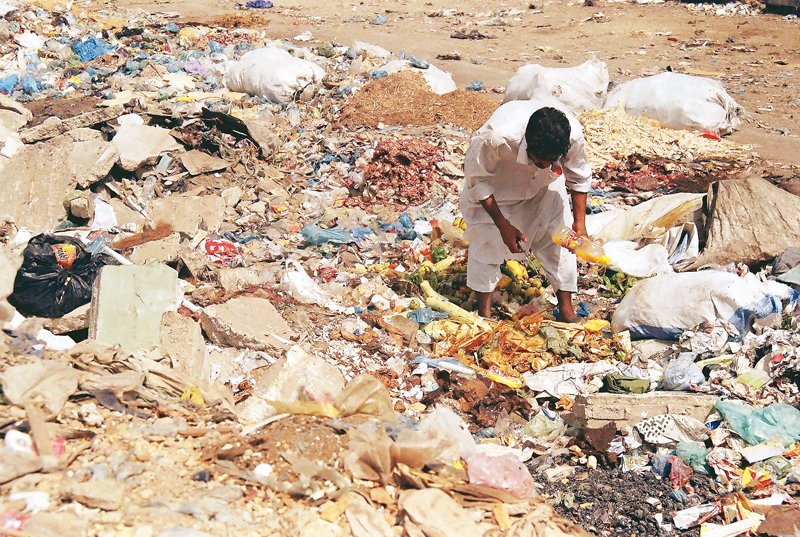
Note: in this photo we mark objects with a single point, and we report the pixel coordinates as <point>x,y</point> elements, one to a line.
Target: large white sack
<point>273,73</point>
<point>441,82</point>
<point>579,88</point>
<point>679,101</point>
<point>665,306</point>
<point>651,219</point>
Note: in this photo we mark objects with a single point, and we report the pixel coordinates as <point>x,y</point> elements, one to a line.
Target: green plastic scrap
<point>558,343</point>
<point>777,421</point>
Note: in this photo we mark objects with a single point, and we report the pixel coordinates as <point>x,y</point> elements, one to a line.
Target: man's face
<point>540,162</point>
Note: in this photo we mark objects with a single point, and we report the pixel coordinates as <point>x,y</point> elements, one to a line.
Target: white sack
<point>642,262</point>
<point>579,88</point>
<point>663,307</point>
<point>272,73</point>
<point>679,101</point>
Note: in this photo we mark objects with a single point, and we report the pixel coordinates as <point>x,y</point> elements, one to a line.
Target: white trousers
<point>537,219</point>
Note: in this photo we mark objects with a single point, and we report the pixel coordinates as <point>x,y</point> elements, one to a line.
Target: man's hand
<point>580,229</point>
<point>512,237</point>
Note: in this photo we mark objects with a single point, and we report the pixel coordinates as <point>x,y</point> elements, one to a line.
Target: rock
<point>13,116</point>
<point>54,126</point>
<point>182,340</point>
<point>141,144</point>
<point>128,303</point>
<point>239,278</point>
<point>596,410</point>
<point>186,213</point>
<point>232,196</point>
<point>197,162</point>
<point>165,250</point>
<point>296,375</point>
<point>77,319</point>
<point>127,218</point>
<point>246,322</point>
<point>80,207</point>
<point>44,173</point>
<point>105,494</point>
<point>14,464</point>
<point>258,207</point>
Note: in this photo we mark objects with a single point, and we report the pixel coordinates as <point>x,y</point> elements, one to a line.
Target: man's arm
<point>512,237</point>
<point>579,212</point>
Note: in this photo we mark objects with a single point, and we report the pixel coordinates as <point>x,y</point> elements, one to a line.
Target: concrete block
<point>596,410</point>
<point>128,303</point>
<point>182,340</point>
<point>246,322</point>
<point>139,145</point>
<point>186,213</point>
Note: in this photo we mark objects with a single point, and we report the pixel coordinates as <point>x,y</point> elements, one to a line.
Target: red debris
<point>402,173</point>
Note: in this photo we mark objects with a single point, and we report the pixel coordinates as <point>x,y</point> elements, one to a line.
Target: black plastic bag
<point>56,277</point>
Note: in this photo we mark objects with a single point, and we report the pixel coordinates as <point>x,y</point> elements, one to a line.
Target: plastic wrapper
<point>544,429</point>
<point>367,395</point>
<point>426,315</point>
<point>694,454</point>
<point>679,473</point>
<point>503,472</point>
<point>55,278</point>
<point>777,421</point>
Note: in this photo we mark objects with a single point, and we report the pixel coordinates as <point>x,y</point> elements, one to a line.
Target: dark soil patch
<point>610,503</point>
<point>61,108</point>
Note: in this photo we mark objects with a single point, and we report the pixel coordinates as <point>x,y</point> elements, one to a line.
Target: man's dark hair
<point>547,134</point>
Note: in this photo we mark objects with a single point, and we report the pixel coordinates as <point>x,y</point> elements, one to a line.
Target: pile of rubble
<point>248,308</point>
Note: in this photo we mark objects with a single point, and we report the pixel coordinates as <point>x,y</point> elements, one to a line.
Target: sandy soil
<point>757,57</point>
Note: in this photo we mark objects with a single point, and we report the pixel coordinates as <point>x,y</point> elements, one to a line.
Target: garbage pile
<point>233,286</point>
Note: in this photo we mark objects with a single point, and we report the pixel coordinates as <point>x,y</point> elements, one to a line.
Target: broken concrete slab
<point>182,340</point>
<point>142,144</point>
<point>197,162</point>
<point>127,218</point>
<point>164,250</point>
<point>128,303</point>
<point>105,494</point>
<point>77,319</point>
<point>186,213</point>
<point>240,278</point>
<point>232,196</point>
<point>246,322</point>
<point>295,376</point>
<point>263,133</point>
<point>54,126</point>
<point>38,176</point>
<point>599,409</point>
<point>13,116</point>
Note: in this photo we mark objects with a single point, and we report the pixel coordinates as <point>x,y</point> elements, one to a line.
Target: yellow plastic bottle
<point>583,247</point>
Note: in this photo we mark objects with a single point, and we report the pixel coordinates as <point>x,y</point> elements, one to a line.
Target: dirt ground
<point>756,57</point>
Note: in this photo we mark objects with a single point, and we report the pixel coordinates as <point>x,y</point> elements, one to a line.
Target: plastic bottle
<point>583,247</point>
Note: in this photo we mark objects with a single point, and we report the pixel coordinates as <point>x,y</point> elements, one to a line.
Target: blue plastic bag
<point>314,234</point>
<point>779,420</point>
<point>259,4</point>
<point>30,85</point>
<point>8,83</point>
<point>91,49</point>
<point>426,315</point>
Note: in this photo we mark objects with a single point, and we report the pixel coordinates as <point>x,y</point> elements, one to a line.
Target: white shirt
<point>497,162</point>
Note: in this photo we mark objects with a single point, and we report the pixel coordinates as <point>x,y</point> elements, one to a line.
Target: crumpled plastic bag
<point>305,290</point>
<point>544,429</point>
<point>504,472</point>
<point>681,373</point>
<point>694,455</point>
<point>439,515</point>
<point>779,420</point>
<point>367,395</point>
